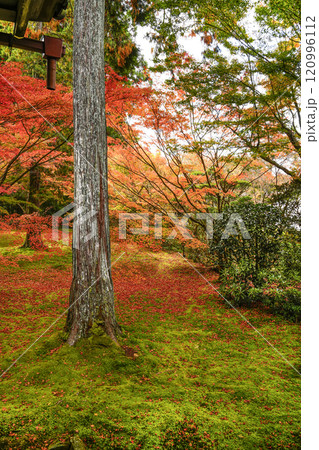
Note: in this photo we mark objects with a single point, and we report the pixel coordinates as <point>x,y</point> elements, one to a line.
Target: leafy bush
<point>290,258</point>
<point>264,269</point>
<point>248,234</point>
<point>271,289</point>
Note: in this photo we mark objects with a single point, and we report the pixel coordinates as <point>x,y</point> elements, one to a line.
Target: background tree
<point>250,65</point>
<point>34,131</point>
<point>121,52</point>
<point>173,156</point>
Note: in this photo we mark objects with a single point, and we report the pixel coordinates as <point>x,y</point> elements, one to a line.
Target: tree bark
<point>33,237</point>
<point>91,295</point>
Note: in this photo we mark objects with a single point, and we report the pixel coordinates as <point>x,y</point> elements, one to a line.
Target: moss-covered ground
<point>202,378</point>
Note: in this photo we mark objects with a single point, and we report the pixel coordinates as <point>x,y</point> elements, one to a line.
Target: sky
<point>192,45</point>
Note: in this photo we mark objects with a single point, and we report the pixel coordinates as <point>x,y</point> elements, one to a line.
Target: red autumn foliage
<point>35,126</point>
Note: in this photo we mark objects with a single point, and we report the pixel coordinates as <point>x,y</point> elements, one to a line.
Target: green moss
<point>201,371</point>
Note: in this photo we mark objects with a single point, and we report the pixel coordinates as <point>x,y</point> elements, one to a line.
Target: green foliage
<point>121,51</point>
<point>11,205</point>
<point>263,270</point>
<point>287,197</point>
<point>250,59</point>
<point>248,235</point>
<point>290,258</point>
<point>271,290</point>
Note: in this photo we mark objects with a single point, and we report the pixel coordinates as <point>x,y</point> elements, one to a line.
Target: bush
<point>248,235</point>
<point>264,269</point>
<point>290,258</point>
<point>270,289</point>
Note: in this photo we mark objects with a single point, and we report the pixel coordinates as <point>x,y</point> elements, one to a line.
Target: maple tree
<point>35,127</point>
<point>34,133</point>
<point>172,155</point>
<point>250,65</point>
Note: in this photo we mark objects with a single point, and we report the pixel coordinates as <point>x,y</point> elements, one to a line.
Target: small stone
<point>60,446</point>
<point>77,443</point>
<point>130,352</point>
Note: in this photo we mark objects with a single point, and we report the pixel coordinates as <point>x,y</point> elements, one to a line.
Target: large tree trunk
<point>91,293</point>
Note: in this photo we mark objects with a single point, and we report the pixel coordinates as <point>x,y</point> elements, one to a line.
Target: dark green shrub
<point>270,289</point>
<point>264,269</point>
<point>256,244</point>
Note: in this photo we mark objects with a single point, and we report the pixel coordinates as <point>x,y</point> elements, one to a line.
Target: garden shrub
<point>278,297</point>
<point>265,269</point>
<point>255,251</point>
